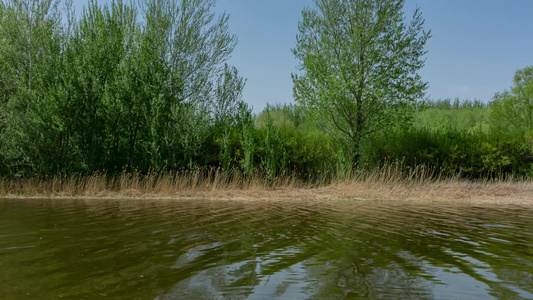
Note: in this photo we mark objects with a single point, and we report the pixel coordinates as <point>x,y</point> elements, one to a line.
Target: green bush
<point>451,150</point>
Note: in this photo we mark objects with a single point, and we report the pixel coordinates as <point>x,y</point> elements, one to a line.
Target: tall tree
<point>30,47</point>
<point>121,85</point>
<point>192,46</point>
<point>359,61</point>
<point>227,97</point>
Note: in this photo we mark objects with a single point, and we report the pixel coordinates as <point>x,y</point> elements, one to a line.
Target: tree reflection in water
<point>256,250</point>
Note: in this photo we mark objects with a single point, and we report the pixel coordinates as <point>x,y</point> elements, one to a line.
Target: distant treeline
<point>145,87</point>
<point>453,104</point>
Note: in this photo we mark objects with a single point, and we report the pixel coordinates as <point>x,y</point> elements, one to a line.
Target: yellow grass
<point>386,183</point>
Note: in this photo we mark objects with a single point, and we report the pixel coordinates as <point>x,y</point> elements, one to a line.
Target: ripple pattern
<point>200,249</point>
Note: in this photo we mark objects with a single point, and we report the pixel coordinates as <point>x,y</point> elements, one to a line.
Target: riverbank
<point>380,185</point>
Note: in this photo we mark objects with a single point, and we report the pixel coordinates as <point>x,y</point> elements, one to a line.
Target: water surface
<point>160,249</point>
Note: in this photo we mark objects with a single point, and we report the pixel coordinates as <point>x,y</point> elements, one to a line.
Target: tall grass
<point>137,183</point>
<point>176,183</point>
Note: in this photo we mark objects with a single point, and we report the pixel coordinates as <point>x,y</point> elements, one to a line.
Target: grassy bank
<point>391,182</point>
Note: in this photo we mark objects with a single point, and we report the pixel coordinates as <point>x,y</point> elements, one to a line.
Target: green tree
<point>359,61</point>
<point>247,138</point>
<point>512,111</point>
<point>274,159</point>
<point>108,90</point>
<point>227,98</point>
<point>186,48</point>
<point>226,104</point>
<point>30,47</point>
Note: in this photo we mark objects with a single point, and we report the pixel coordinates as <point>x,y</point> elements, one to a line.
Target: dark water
<point>101,249</point>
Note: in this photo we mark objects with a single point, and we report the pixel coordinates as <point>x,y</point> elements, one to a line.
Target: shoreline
<point>515,193</point>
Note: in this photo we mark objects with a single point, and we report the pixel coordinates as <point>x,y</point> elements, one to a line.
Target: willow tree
<point>359,61</point>
<point>30,49</point>
<point>190,46</point>
<point>128,83</point>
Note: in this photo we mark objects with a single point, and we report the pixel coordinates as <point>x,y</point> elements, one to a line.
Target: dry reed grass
<point>390,182</point>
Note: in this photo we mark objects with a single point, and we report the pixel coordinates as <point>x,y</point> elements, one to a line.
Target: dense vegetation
<point>124,86</point>
<point>146,87</point>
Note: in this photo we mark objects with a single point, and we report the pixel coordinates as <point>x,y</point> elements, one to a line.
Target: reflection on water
<point>259,250</point>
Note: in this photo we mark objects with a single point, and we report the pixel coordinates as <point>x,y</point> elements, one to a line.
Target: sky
<point>475,49</point>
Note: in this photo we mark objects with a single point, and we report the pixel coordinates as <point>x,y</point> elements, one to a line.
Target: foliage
<point>446,113</point>
<point>450,151</point>
<point>512,111</point>
<point>273,159</point>
<point>146,88</point>
<point>359,61</point>
<point>108,91</point>
<point>247,139</point>
<point>303,148</point>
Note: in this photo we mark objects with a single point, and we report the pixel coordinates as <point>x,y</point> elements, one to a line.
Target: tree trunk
<point>356,151</point>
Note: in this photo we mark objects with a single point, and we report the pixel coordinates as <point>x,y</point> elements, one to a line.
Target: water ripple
<point>162,249</point>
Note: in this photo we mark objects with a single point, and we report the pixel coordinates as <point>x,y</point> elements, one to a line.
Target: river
<point>202,249</point>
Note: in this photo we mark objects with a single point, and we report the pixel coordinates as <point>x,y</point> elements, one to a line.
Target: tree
<point>136,84</point>
<point>512,111</point>
<point>359,61</point>
<point>227,98</point>
<point>30,48</point>
<point>192,46</point>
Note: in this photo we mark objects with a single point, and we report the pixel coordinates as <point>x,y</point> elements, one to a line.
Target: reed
<point>388,182</point>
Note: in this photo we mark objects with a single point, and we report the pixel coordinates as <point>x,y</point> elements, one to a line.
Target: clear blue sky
<point>476,47</point>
